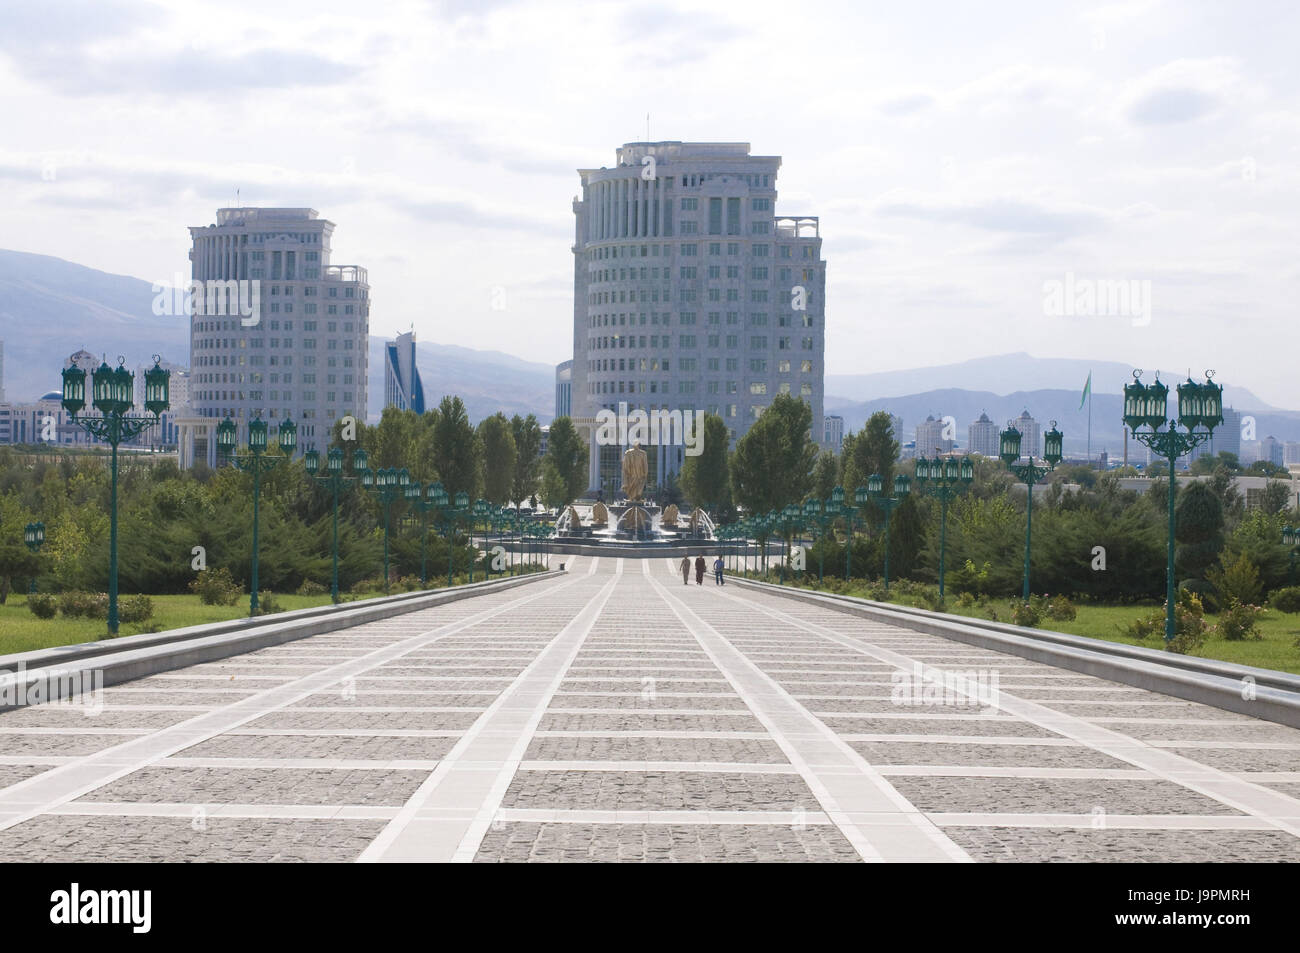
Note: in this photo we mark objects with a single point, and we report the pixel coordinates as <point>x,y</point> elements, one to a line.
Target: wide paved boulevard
<point>614,714</point>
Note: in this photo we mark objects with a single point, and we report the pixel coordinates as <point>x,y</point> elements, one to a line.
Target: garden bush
<point>1025,613</point>
<point>88,605</point>
<point>43,605</point>
<point>310,588</point>
<point>1061,609</point>
<point>1237,581</point>
<point>134,608</point>
<point>216,587</point>
<point>266,603</point>
<point>1286,600</point>
<point>1238,622</point>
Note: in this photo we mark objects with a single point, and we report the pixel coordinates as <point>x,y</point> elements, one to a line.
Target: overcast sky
<point>960,155</point>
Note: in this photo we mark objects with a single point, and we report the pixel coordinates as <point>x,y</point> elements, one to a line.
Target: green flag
<point>1087,389</point>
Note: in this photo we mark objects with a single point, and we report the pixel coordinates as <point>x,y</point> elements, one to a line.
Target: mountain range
<point>50,307</point>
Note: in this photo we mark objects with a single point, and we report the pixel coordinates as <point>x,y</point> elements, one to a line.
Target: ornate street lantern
<point>860,495</point>
<point>875,483</point>
<point>157,388</point>
<point>311,460</point>
<point>368,477</point>
<point>288,437</point>
<point>902,485</point>
<point>102,390</point>
<point>74,390</point>
<point>257,435</point>
<point>922,469</point>
<point>967,470</point>
<point>360,459</point>
<point>837,496</point>
<point>1009,445</point>
<point>226,437</point>
<point>1053,444</point>
<point>462,500</point>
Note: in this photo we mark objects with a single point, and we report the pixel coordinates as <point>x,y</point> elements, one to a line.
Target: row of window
<point>784,319</point>
<point>757,364</point>
<point>652,296</point>
<point>256,360</point>
<point>692,250</point>
<point>757,342</point>
<point>692,273</point>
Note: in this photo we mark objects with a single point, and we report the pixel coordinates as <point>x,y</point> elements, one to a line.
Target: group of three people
<point>699,571</point>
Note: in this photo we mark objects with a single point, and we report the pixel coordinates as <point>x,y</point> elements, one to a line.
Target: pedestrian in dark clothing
<point>685,567</point>
<point>699,570</point>
<point>717,572</point>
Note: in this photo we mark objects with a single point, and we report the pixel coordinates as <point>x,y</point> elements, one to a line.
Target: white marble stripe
<point>709,767</point>
<point>839,778</point>
<point>1278,809</point>
<point>474,775</point>
<point>326,764</point>
<point>769,818</point>
<point>334,812</point>
<point>38,795</point>
<point>1154,822</point>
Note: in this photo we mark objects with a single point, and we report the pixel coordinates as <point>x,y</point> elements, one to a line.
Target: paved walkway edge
<point>1260,693</point>
<point>47,675</point>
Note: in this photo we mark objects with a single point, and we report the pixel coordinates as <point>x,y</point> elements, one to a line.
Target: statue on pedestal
<point>599,515</point>
<point>636,467</point>
<point>670,515</point>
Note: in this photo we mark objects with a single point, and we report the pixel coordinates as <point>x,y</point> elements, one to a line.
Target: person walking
<point>717,572</point>
<point>699,570</point>
<point>685,567</point>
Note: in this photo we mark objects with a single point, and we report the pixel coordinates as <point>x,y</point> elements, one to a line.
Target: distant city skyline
<point>959,172</point>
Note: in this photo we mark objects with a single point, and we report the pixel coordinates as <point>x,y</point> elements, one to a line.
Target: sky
<point>962,157</point>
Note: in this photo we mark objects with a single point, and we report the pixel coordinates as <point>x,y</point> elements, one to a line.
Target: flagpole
<point>1089,418</point>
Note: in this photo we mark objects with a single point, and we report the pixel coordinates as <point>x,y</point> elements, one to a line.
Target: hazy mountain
<point>1001,372</point>
<point>50,307</point>
<point>1043,405</point>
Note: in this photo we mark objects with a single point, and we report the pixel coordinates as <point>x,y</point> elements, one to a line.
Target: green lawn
<point>1275,649</point>
<point>20,631</point>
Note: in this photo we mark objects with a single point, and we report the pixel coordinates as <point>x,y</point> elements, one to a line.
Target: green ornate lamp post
<point>1291,537</point>
<point>873,493</point>
<point>34,537</point>
<point>480,512</point>
<point>389,485</point>
<point>437,500</point>
<point>1030,473</point>
<point>256,462</point>
<point>335,479</point>
<point>944,478</point>
<point>820,515</point>
<point>113,395</point>
<point>1200,410</point>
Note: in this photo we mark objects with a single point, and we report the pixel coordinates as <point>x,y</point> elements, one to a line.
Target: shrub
<point>310,588</point>
<point>216,587</point>
<point>1061,609</point>
<point>1189,624</point>
<point>367,586</point>
<point>1205,591</point>
<point>135,608</point>
<point>43,605</point>
<point>966,599</point>
<point>1238,622</point>
<point>267,604</point>
<point>1286,600</point>
<point>1025,613</point>
<point>1237,581</point>
<point>89,605</point>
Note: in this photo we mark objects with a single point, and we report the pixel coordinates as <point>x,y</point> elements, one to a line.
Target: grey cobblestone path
<point>613,716</point>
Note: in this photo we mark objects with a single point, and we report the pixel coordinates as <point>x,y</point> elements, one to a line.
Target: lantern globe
<point>311,460</point>
<point>1009,446</point>
<point>335,462</point>
<point>1289,534</point>
<point>1135,404</point>
<point>1157,405</point>
<point>837,495</point>
<point>360,460</point>
<point>404,477</point>
<point>951,469</point>
<point>1053,445</point>
<point>288,437</point>
<point>226,437</point>
<point>902,485</point>
<point>860,495</point>
<point>368,478</point>
<point>123,389</point>
<point>74,390</point>
<point>967,470</point>
<point>922,469</point>
<point>157,388</point>
<point>102,389</point>
<point>462,500</point>
<point>257,435</point>
<point>875,483</point>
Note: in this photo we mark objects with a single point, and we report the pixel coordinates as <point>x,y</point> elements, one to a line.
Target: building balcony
<point>797,226</point>
<point>346,273</point>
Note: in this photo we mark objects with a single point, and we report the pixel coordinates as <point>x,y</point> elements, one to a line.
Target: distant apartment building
<point>1031,434</point>
<point>833,432</point>
<point>2,372</point>
<point>1291,453</point>
<point>1270,449</point>
<point>1226,438</point>
<point>691,293</point>
<point>931,437</point>
<point>564,389</point>
<point>303,354</point>
<point>982,436</point>
<point>403,388</point>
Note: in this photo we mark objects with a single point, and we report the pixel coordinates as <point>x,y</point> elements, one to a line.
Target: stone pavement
<point>617,715</point>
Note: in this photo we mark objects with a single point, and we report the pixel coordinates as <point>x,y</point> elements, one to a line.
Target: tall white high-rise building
<point>983,437</point>
<point>931,438</point>
<point>1031,434</point>
<point>564,389</point>
<point>302,354</point>
<point>691,293</point>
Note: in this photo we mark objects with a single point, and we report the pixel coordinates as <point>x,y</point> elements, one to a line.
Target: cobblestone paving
<point>647,722</point>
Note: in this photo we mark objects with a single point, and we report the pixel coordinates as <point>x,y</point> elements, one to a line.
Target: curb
<point>1258,692</point>
<point>63,671</point>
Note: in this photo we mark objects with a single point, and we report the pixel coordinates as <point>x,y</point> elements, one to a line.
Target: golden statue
<point>636,467</point>
<point>599,515</point>
<point>670,515</point>
<point>575,520</point>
